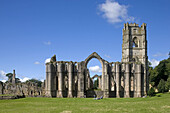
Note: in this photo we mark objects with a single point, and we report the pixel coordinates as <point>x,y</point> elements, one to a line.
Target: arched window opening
<point>94,67</point>
<point>135,42</point>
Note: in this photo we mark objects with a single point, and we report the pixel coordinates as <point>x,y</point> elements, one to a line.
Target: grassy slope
<point>54,105</point>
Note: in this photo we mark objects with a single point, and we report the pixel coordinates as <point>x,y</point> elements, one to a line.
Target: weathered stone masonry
<point>128,78</point>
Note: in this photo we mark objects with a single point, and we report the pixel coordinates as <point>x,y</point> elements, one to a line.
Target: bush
<point>158,95</point>
<point>167,84</point>
<point>151,92</point>
<point>161,86</point>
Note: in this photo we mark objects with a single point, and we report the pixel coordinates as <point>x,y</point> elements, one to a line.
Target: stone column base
<point>126,94</point>
<point>106,94</point>
<point>80,95</point>
<point>70,95</point>
<point>60,94</point>
<point>137,94</point>
<point>48,93</point>
<point>117,94</point>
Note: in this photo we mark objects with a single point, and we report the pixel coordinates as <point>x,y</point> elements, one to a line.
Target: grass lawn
<point>79,105</point>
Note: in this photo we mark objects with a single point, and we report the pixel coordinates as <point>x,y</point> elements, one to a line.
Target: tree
<point>17,80</point>
<point>151,92</point>
<point>95,85</point>
<point>161,86</point>
<point>9,75</point>
<point>167,84</point>
<point>35,81</point>
<point>162,71</point>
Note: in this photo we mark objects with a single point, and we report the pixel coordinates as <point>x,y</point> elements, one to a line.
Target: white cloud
<point>95,69</point>
<point>107,56</point>
<point>3,81</point>
<point>47,60</point>
<point>47,43</point>
<point>3,75</point>
<point>114,12</point>
<point>160,54</point>
<point>37,62</point>
<point>154,62</point>
<point>24,79</point>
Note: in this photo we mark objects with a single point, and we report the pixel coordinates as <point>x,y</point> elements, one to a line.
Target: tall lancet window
<point>135,42</point>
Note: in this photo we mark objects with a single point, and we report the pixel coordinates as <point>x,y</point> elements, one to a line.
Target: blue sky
<point>32,31</point>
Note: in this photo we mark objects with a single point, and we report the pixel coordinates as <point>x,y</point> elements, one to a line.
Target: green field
<point>88,105</point>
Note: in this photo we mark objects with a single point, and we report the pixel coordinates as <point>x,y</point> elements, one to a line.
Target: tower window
<point>135,42</point>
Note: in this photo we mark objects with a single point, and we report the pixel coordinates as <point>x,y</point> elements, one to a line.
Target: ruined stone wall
<point>26,89</point>
<point>118,80</point>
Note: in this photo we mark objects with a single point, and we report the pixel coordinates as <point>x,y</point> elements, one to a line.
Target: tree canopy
<point>35,81</point>
<point>160,75</point>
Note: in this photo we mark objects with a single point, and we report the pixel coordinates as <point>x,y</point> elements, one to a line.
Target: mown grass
<point>6,95</point>
<point>88,105</point>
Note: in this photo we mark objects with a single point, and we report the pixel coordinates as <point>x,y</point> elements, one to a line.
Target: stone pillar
<point>60,79</point>
<point>13,77</point>
<point>106,81</point>
<point>46,81</point>
<point>49,81</point>
<point>1,88</point>
<point>89,82</point>
<point>127,81</point>
<point>117,80</point>
<point>102,84</point>
<point>50,74</point>
<point>134,79</point>
<point>138,78</point>
<point>80,80</point>
<point>70,80</point>
<point>99,79</point>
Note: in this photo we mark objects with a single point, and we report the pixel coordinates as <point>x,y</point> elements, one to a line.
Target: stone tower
<point>134,47</point>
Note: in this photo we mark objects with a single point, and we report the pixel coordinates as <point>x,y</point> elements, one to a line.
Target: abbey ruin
<point>128,78</point>
<point>14,87</point>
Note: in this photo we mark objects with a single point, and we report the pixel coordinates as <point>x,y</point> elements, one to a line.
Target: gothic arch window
<point>135,42</point>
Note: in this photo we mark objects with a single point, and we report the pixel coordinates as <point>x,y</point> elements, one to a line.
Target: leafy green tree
<point>35,81</point>
<point>17,80</point>
<point>152,76</point>
<point>151,92</point>
<point>162,71</point>
<point>95,85</point>
<point>167,84</point>
<point>161,86</point>
<point>9,75</point>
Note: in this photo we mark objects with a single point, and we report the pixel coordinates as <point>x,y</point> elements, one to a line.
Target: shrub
<point>151,92</point>
<point>161,86</point>
<point>167,84</point>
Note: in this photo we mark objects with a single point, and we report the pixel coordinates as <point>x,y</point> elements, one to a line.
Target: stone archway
<point>94,55</point>
<point>99,80</point>
<point>104,84</point>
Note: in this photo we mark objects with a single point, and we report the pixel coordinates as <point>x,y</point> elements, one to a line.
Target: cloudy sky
<point>31,31</point>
